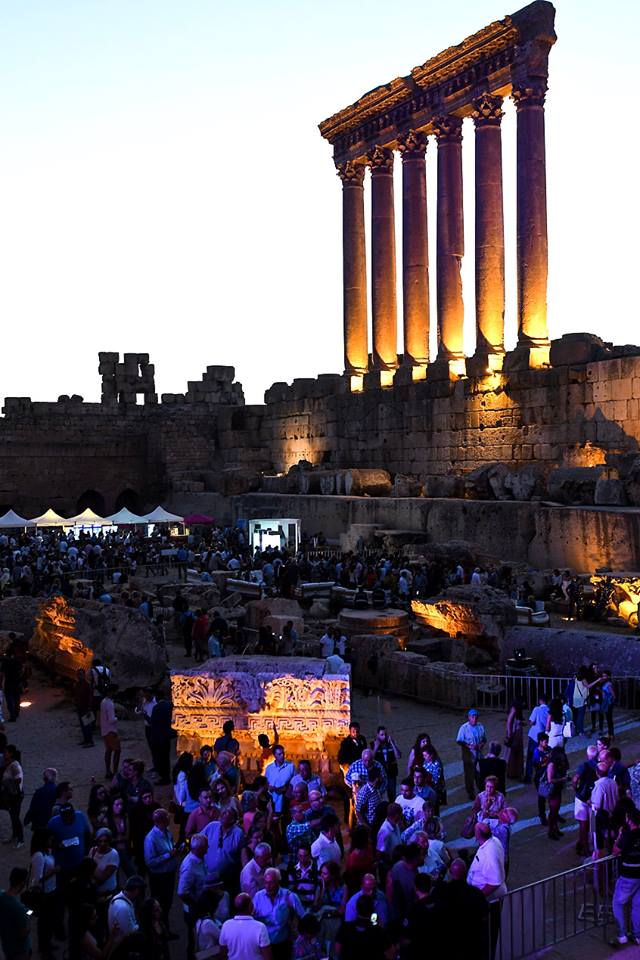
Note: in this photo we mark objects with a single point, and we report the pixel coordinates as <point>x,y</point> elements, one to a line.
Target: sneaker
<point>19,844</point>
<point>619,942</point>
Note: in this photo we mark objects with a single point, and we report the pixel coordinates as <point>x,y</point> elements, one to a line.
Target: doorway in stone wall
<point>130,500</point>
<point>93,500</point>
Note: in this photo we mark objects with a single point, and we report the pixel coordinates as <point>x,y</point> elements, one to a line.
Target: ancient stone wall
<point>576,414</point>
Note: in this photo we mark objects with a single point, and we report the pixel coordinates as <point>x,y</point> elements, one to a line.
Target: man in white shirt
<point>279,775</point>
<point>252,874</point>
<point>410,804</point>
<point>242,937</point>
<point>389,834</point>
<point>122,910</point>
<point>537,724</point>
<point>326,847</point>
<point>487,868</point>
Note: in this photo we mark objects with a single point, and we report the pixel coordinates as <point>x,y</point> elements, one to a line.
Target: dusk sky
<point>164,187</point>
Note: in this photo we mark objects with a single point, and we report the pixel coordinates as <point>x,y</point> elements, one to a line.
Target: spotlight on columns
<point>418,373</point>
<point>495,362</point>
<point>458,369</point>
<point>539,357</point>
<point>356,383</point>
<point>386,378</point>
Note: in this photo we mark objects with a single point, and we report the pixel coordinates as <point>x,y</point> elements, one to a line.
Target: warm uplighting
<point>539,357</point>
<point>356,383</point>
<point>386,378</point>
<point>25,703</point>
<point>495,362</point>
<point>418,373</point>
<point>458,368</point>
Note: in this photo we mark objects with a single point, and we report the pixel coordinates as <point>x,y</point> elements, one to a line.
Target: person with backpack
<point>583,781</point>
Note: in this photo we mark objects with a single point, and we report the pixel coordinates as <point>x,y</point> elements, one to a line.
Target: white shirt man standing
<point>243,937</point>
<point>487,868</point>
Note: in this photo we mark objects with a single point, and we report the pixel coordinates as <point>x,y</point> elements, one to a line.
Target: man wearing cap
<point>121,918</point>
<point>472,738</point>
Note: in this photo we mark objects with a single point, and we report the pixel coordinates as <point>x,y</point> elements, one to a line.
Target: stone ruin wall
<point>574,414</point>
<point>53,454</point>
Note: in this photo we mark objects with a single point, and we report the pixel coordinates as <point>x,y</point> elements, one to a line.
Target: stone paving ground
<point>47,734</point>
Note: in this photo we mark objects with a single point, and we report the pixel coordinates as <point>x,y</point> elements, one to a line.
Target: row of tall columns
<point>489,242</point>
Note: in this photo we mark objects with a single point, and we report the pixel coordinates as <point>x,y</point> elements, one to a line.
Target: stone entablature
<point>493,59</point>
<point>309,706</point>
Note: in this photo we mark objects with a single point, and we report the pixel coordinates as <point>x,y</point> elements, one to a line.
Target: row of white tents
<point>88,519</point>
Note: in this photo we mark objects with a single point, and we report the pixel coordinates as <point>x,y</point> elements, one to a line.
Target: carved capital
<point>529,93</point>
<point>351,173</point>
<point>487,111</point>
<point>448,129</point>
<point>412,145</point>
<point>381,160</point>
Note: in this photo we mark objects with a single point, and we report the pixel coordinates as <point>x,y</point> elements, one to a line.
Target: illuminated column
<point>383,262</point>
<point>354,270</point>
<point>532,246</point>
<point>450,236</point>
<point>415,250</point>
<point>489,228</point>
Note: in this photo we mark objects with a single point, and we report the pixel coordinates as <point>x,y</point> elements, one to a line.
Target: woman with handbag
<point>551,787</point>
<point>12,789</point>
<point>42,894</point>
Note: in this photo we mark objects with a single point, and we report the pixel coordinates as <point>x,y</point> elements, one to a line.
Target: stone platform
<point>383,623</point>
<point>309,706</point>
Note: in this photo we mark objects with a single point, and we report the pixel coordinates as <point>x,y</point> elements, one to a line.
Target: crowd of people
<point>289,866</point>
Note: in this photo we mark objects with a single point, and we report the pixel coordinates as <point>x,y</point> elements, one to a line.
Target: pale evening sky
<point>164,187</point>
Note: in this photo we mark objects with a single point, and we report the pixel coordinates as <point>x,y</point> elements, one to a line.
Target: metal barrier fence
<point>497,691</point>
<point>550,911</point>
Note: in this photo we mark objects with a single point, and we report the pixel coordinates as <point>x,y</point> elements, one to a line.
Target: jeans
<point>578,718</point>
<point>627,891</point>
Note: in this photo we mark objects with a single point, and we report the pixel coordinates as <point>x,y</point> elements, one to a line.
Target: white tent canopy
<point>11,519</point>
<point>160,515</point>
<point>49,519</point>
<point>87,519</point>
<point>124,517</point>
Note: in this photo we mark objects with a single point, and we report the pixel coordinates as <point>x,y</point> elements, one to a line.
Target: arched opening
<point>130,500</point>
<point>93,500</point>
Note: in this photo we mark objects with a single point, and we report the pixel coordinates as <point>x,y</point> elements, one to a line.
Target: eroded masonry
<point>480,448</point>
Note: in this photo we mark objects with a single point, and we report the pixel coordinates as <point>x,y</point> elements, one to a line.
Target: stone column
<point>415,252</point>
<point>532,246</point>
<point>383,263</point>
<point>450,236</point>
<point>489,230</point>
<point>354,269</point>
